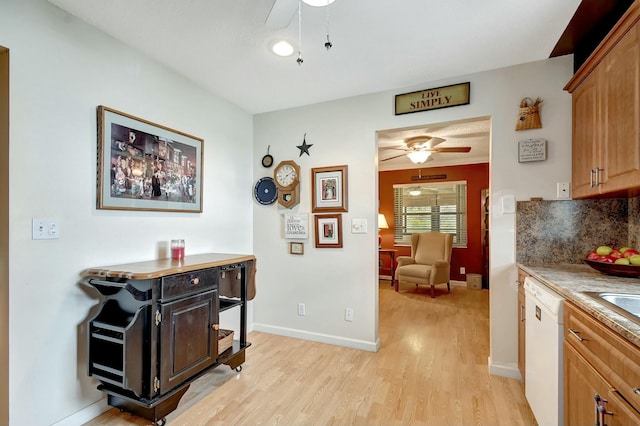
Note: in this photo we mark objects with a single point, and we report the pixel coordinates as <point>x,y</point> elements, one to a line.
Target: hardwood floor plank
<point>431,369</point>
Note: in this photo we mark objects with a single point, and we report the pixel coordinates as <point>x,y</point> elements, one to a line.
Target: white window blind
<point>430,207</point>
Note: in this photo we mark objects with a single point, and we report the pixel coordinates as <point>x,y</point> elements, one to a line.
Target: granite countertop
<point>571,280</point>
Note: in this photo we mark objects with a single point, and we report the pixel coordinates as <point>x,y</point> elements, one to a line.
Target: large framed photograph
<point>147,166</point>
<point>328,230</point>
<point>329,189</point>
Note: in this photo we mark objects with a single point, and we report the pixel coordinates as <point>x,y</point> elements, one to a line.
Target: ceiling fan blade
<point>453,149</point>
<point>391,158</point>
<point>281,13</point>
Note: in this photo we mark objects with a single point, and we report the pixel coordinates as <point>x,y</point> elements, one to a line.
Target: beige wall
<point>4,236</point>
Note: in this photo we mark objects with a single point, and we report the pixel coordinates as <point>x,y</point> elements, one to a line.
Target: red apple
<point>607,259</point>
<point>630,252</point>
<point>593,255</point>
<point>615,253</point>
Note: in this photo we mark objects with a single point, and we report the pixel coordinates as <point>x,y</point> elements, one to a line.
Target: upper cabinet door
<point>586,131</point>
<point>620,100</point>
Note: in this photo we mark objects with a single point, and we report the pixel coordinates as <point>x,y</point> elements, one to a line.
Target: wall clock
<point>287,179</point>
<point>265,191</point>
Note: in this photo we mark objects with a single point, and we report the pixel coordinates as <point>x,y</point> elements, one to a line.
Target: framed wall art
<point>329,189</point>
<point>147,166</point>
<point>296,248</point>
<point>296,225</point>
<point>328,230</point>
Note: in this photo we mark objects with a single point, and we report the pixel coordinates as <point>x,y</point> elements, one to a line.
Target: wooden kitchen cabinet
<point>601,373</point>
<point>606,114</point>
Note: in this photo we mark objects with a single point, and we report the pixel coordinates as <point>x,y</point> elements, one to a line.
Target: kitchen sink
<point>627,305</point>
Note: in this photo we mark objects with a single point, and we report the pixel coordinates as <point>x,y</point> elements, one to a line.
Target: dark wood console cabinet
<point>157,324</point>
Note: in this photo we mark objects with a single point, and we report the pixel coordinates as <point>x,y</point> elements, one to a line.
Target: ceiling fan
<point>420,148</point>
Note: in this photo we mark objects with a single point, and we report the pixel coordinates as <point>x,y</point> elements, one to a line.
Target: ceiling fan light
<point>282,48</point>
<point>318,3</point>
<point>415,192</point>
<point>418,157</point>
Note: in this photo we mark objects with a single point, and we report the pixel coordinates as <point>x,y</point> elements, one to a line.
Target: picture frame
<point>296,248</point>
<point>328,230</point>
<point>329,189</point>
<point>532,150</point>
<point>146,166</point>
<point>296,225</point>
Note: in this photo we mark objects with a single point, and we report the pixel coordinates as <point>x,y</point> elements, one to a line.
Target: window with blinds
<point>430,207</point>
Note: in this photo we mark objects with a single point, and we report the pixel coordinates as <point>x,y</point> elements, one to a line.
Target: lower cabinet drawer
<point>611,355</point>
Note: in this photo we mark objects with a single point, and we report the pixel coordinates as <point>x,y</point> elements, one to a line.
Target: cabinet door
<point>188,338</point>
<point>582,384</point>
<point>585,137</point>
<point>620,103</point>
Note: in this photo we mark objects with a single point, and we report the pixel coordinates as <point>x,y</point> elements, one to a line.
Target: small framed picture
<point>329,189</point>
<point>296,248</point>
<point>328,230</point>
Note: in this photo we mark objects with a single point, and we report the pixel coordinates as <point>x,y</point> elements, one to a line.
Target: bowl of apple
<point>622,262</point>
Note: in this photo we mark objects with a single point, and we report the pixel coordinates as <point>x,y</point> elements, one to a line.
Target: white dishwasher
<point>543,362</point>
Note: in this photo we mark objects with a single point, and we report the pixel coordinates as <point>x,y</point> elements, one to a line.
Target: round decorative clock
<point>265,191</point>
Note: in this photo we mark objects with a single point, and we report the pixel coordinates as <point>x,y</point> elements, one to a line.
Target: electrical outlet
<point>463,270</point>
<point>348,314</point>
<point>563,190</point>
<point>301,309</point>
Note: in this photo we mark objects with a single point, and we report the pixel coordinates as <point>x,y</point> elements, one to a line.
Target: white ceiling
<point>224,46</point>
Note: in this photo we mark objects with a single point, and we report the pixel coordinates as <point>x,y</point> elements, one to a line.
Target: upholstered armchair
<point>429,263</point>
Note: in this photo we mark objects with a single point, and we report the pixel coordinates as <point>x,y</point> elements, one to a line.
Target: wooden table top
<point>162,267</point>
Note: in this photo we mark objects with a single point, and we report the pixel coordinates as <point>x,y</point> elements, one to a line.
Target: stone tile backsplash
<point>564,231</point>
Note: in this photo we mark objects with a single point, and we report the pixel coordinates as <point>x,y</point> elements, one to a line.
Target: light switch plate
<point>45,228</point>
<point>358,226</point>
<point>508,204</point>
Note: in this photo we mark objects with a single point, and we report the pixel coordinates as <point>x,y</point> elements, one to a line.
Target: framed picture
<point>532,150</point>
<point>146,166</point>
<point>296,248</point>
<point>328,230</point>
<point>296,225</point>
<point>329,189</point>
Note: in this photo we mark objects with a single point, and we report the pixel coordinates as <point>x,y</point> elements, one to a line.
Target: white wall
<point>60,71</point>
<point>344,132</point>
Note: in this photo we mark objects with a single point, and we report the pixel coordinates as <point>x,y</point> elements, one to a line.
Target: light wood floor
<point>431,370</point>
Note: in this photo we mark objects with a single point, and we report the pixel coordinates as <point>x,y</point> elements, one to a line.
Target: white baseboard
<point>319,337</point>
<point>86,414</point>
<point>505,370</point>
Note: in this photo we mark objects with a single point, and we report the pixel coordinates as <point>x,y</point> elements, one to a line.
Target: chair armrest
<point>404,260</point>
<point>440,272</point>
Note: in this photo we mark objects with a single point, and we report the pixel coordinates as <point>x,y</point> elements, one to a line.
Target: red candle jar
<point>177,249</point>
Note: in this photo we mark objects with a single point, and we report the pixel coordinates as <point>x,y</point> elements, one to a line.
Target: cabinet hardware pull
<point>636,391</point>
<point>575,334</point>
<point>195,281</point>
<point>597,176</point>
<point>522,313</point>
<point>591,172</point>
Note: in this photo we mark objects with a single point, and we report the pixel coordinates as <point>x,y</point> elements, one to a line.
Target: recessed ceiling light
<point>282,48</point>
<point>318,3</point>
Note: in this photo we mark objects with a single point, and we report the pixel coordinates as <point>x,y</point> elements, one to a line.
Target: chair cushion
<point>414,273</point>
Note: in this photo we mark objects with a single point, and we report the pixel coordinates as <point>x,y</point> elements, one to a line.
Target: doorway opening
<point>456,151</point>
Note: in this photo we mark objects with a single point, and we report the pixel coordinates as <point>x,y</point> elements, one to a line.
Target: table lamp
<point>382,224</point>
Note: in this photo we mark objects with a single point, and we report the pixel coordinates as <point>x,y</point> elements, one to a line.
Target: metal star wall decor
<point>304,148</point>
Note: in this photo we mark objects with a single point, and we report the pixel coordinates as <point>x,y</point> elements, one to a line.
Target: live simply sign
<point>439,97</point>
